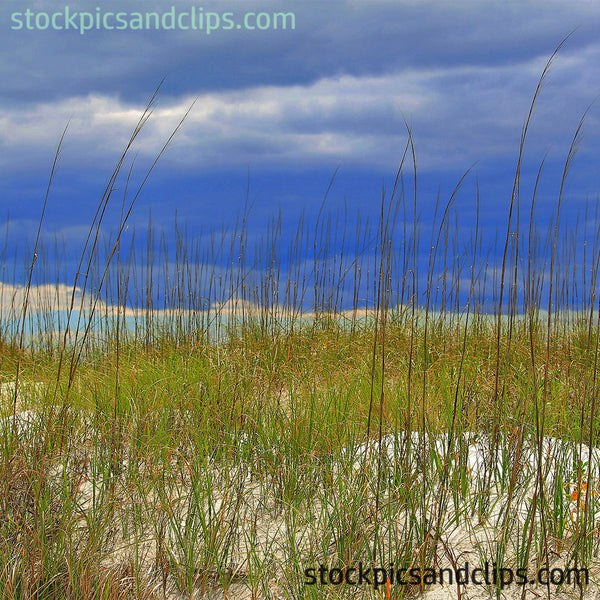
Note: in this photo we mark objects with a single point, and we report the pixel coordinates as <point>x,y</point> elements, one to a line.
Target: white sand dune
<point>505,479</point>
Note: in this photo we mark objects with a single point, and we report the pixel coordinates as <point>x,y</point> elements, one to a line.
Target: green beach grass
<point>227,443</point>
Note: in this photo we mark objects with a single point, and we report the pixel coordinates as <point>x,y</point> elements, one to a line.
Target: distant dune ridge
<point>41,297</point>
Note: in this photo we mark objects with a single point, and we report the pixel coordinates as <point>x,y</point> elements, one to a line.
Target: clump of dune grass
<point>215,419</point>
